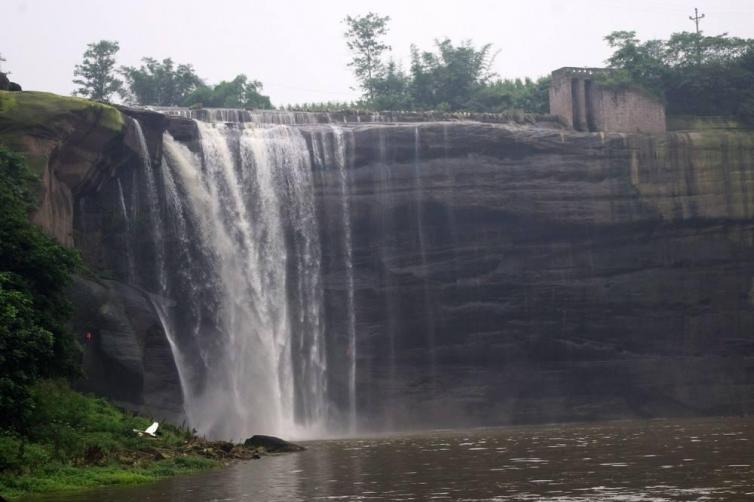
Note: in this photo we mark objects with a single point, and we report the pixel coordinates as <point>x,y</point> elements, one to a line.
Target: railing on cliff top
<point>581,71</point>
<point>232,115</point>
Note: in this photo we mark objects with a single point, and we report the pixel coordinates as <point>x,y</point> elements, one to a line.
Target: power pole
<point>696,17</point>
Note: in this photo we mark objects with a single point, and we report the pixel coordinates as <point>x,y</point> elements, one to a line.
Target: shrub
<point>34,271</point>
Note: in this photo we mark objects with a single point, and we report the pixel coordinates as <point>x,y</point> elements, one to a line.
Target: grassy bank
<point>78,441</point>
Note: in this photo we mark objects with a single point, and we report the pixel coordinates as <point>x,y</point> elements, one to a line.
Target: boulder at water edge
<point>272,444</point>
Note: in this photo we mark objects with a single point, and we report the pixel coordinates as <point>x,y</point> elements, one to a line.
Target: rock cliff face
<point>501,273</point>
<point>77,147</point>
<point>518,274</point>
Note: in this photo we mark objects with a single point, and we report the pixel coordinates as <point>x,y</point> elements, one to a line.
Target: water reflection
<point>654,461</point>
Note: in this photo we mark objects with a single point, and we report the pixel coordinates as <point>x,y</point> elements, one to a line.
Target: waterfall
<point>341,160</point>
<point>424,269</point>
<point>127,221</point>
<point>238,282</point>
<point>330,151</point>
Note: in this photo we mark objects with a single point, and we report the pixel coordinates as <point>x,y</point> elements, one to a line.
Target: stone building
<point>585,105</point>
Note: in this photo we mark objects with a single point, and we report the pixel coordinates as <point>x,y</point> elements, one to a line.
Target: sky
<point>296,47</point>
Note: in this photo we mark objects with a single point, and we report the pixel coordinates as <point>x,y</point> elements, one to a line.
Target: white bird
<point>151,430</point>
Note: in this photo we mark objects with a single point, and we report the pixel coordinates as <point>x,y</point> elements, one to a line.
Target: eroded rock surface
<point>514,274</point>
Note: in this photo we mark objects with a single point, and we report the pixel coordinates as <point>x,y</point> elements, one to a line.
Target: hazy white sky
<point>296,47</point>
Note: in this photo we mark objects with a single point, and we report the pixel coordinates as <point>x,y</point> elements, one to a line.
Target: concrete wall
<point>626,110</point>
<point>584,105</point>
<point>560,98</point>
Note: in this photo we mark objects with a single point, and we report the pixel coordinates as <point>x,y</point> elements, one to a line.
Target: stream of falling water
<point>127,221</point>
<point>330,149</point>
<point>237,220</point>
<point>341,159</point>
<point>424,269</point>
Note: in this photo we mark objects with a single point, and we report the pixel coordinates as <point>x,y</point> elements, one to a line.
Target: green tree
<point>694,73</point>
<point>237,93</point>
<point>364,40</point>
<point>160,83</point>
<point>391,89</point>
<point>448,78</point>
<point>97,76</point>
<point>34,271</point>
<point>503,95</point>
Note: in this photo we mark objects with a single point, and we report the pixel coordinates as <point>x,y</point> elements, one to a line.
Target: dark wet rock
<point>272,444</point>
<point>153,124</point>
<point>509,274</point>
<point>126,355</point>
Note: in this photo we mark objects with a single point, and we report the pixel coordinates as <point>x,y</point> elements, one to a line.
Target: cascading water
<point>424,271</point>
<point>341,158</point>
<point>126,219</point>
<point>330,149</point>
<point>236,258</point>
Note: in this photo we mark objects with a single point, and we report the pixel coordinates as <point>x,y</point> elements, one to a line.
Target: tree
<point>34,272</point>
<point>97,77</point>
<point>694,73</point>
<point>160,82</point>
<point>638,63</point>
<point>447,79</point>
<point>363,38</point>
<point>237,93</point>
<point>504,95</point>
<point>391,89</point>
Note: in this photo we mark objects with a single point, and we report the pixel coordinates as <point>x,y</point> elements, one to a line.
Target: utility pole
<point>696,17</point>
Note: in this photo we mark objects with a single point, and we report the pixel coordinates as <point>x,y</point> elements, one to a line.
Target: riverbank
<point>78,441</point>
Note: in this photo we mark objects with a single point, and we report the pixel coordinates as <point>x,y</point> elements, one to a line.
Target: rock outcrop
<point>71,143</point>
<point>76,147</point>
<point>126,354</point>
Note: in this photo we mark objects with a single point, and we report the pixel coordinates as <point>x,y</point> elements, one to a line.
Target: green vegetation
<point>34,271</point>
<point>363,38</point>
<point>53,438</point>
<point>75,441</point>
<point>160,82</point>
<point>164,84</point>
<point>694,74</point>
<point>324,106</point>
<point>237,93</point>
<point>96,72</point>
<point>450,78</point>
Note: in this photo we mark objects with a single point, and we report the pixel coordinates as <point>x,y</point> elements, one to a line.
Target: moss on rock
<point>29,112</point>
<point>47,116</point>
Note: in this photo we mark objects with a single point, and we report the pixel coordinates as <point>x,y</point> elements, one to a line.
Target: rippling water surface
<point>658,460</point>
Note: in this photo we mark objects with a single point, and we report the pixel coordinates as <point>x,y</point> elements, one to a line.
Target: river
<point>651,460</point>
